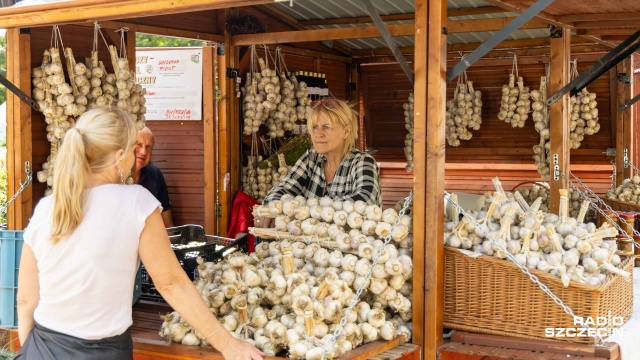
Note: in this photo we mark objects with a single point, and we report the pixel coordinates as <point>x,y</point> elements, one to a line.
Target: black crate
<point>215,248</point>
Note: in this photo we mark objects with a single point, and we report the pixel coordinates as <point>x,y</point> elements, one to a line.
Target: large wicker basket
<point>492,296</point>
<point>618,205</point>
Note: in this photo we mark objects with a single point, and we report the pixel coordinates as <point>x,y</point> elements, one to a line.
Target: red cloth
<point>242,219</point>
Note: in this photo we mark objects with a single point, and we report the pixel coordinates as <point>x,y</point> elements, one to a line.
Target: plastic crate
<point>11,242</point>
<point>215,248</point>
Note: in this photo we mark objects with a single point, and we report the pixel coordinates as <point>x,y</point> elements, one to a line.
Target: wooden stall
<point>187,151</point>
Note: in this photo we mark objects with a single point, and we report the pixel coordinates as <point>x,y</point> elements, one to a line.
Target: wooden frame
<point>19,129</point>
<point>559,114</point>
<point>429,149</point>
<point>209,57</point>
<point>624,121</point>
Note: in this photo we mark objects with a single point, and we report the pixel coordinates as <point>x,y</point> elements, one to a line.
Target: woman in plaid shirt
<point>333,167</point>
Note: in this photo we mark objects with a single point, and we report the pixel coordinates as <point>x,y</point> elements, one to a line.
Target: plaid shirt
<point>357,178</point>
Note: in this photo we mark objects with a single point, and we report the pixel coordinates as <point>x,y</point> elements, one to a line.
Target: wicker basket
<point>531,183</point>
<point>618,205</point>
<point>492,296</point>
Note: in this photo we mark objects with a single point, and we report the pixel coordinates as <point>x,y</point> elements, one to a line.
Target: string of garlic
<point>584,113</point>
<point>88,86</point>
<point>463,112</point>
<point>627,191</point>
<point>540,115</point>
<point>408,141</point>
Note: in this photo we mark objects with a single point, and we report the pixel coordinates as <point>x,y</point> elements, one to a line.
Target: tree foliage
<point>144,40</point>
<point>3,66</point>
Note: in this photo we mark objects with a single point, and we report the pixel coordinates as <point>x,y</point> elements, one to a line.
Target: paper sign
<point>173,80</point>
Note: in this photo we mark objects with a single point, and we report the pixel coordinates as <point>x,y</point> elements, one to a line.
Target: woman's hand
<point>241,350</point>
<point>264,222</point>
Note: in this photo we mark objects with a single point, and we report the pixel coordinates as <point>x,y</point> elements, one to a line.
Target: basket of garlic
<point>625,197</point>
<point>484,293</point>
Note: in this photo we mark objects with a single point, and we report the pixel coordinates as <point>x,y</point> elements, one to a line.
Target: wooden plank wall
<point>385,88</point>
<point>179,153</point>
<point>396,183</point>
<point>495,150</point>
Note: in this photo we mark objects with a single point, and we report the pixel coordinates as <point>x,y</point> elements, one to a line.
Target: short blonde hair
<point>86,149</point>
<point>336,112</point>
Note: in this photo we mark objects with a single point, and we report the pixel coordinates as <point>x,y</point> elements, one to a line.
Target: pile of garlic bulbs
<point>628,191</point>
<point>463,112</point>
<point>292,295</point>
<point>556,244</point>
<point>351,226</point>
<point>89,86</point>
<point>584,117</point>
<point>408,124</point>
<point>575,201</point>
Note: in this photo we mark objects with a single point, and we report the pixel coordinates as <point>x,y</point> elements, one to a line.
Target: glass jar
<point>628,225</point>
<point>625,245</point>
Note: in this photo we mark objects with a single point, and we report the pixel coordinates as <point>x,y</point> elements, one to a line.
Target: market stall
<point>220,179</point>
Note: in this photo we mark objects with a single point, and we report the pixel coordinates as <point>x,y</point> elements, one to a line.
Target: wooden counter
<point>148,345</point>
<point>469,346</point>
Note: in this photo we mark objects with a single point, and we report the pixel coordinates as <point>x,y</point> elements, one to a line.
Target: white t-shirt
<point>87,279</point>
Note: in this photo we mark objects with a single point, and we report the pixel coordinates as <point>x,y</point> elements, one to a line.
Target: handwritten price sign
<point>173,80</point>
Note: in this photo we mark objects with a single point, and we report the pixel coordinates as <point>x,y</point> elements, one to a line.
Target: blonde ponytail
<point>86,150</point>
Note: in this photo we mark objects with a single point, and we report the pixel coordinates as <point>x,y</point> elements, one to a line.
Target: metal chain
<point>23,186</point>
<point>613,176</point>
<point>356,297</point>
<point>598,209</point>
<point>524,269</point>
<point>634,168</point>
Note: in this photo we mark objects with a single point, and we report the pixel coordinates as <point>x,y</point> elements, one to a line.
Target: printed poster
<point>173,80</point>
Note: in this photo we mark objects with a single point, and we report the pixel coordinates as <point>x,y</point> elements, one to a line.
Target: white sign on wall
<point>173,80</point>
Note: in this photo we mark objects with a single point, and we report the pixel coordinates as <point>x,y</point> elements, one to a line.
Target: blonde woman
<point>82,249</point>
<point>333,167</point>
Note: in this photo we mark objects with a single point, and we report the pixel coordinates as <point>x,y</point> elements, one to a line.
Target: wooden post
<point>559,114</point>
<point>429,150</point>
<point>19,142</point>
<point>625,119</point>
<point>208,129</point>
<point>229,133</point>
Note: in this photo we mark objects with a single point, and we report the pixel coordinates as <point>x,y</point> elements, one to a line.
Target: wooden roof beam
<point>363,32</point>
<point>156,30</point>
<point>598,17</point>
<point>400,17</point>
<point>289,20</point>
<point>546,17</point>
<point>283,37</point>
<point>98,10</point>
<point>607,24</point>
<point>454,48</point>
<point>596,32</point>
